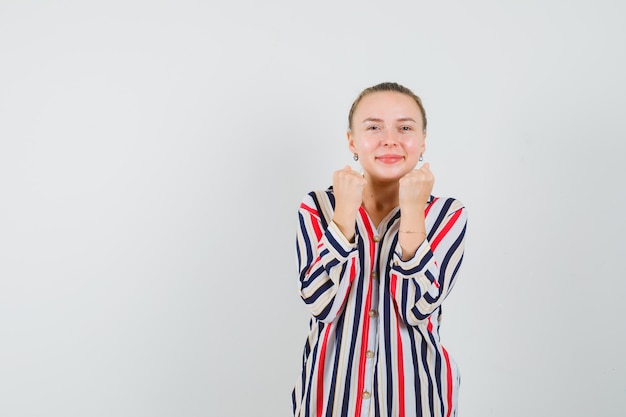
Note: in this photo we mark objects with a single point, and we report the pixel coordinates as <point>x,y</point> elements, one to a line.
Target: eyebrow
<point>402,119</point>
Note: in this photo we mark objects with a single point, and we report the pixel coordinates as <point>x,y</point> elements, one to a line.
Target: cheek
<point>368,144</point>
<point>413,145</point>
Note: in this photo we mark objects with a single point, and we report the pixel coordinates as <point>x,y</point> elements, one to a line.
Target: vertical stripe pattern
<point>373,347</point>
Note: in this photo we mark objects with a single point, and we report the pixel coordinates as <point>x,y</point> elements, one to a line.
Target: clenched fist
<point>348,189</point>
<point>415,188</point>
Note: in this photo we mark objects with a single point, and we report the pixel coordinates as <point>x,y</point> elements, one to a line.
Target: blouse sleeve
<point>419,285</point>
<point>327,262</point>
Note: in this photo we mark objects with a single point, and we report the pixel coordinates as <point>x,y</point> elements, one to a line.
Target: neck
<point>380,199</point>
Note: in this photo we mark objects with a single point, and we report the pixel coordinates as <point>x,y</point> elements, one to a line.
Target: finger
<point>426,168</point>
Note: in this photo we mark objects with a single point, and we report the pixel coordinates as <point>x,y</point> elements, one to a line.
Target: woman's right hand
<point>348,189</point>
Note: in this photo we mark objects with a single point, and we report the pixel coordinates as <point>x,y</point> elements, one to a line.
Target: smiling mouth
<point>390,159</point>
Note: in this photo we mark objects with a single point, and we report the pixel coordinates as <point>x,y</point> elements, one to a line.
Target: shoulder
<point>319,202</point>
<point>447,205</point>
<point>318,197</point>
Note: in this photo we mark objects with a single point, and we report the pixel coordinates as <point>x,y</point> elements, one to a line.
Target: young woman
<point>377,256</point>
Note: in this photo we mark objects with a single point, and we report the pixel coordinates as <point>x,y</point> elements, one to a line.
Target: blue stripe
<point>443,213</point>
<point>438,375</point>
<point>313,363</point>
<point>336,245</point>
<point>318,207</point>
<point>334,382</point>
<point>451,252</point>
<point>386,329</point>
<point>307,242</point>
<point>308,279</point>
<point>376,398</point>
<point>416,379</point>
<point>424,359</point>
<point>416,269</point>
<point>358,303</point>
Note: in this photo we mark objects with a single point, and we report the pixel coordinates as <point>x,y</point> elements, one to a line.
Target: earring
<point>421,158</point>
<point>356,156</point>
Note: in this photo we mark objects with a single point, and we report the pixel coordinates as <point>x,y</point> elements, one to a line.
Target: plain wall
<point>153,155</point>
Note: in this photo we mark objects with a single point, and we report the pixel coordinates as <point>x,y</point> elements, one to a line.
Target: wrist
<point>346,225</point>
<point>413,206</point>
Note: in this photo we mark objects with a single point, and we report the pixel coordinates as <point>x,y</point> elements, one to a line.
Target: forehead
<point>387,103</point>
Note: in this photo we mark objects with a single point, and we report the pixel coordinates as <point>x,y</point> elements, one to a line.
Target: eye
<point>406,128</point>
<point>373,127</point>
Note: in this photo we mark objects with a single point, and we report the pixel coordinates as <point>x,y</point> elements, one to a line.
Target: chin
<point>388,173</point>
<point>388,177</point>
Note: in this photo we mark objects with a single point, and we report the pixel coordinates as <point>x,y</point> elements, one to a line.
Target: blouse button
<point>376,238</point>
<point>369,354</point>
<point>373,313</point>
<point>374,275</point>
<point>366,395</point>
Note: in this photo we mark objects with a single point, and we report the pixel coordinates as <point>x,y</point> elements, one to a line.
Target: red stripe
<point>428,207</point>
<point>352,270</point>
<point>449,376</point>
<point>366,319</point>
<point>392,284</point>
<point>400,372</point>
<point>310,210</point>
<point>370,233</point>
<point>314,221</point>
<point>317,230</point>
<point>363,358</point>
<point>401,406</point>
<point>394,279</point>
<point>312,265</point>
<point>352,275</point>
<point>445,230</point>
<point>320,374</point>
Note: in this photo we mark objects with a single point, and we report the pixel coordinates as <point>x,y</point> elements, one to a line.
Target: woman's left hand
<point>415,188</point>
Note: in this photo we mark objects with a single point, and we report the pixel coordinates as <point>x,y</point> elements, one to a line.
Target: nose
<point>390,138</point>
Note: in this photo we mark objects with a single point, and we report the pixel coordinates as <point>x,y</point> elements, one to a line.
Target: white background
<point>153,155</point>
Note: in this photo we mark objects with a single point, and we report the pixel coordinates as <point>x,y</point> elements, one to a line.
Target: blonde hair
<point>387,86</point>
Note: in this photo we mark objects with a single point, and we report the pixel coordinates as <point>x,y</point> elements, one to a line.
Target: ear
<point>423,147</point>
<point>351,145</point>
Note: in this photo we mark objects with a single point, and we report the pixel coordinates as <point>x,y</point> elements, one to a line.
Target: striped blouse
<point>373,347</point>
